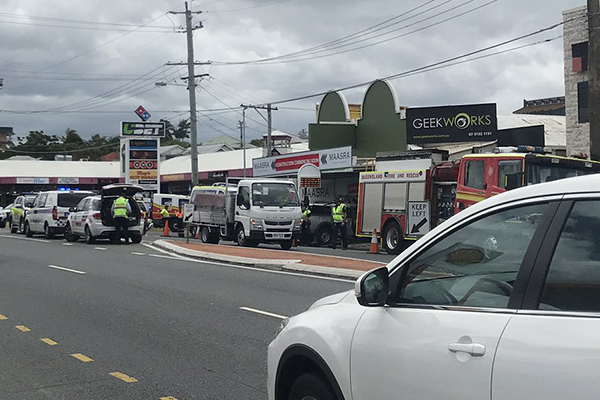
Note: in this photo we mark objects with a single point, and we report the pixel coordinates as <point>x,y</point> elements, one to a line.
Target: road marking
<point>25,238</point>
<point>22,328</point>
<point>67,244</point>
<point>81,357</point>
<point>49,341</point>
<point>100,248</point>
<point>67,269</point>
<point>135,253</point>
<point>268,314</point>
<point>266,271</point>
<point>3,317</point>
<point>167,398</point>
<point>123,377</point>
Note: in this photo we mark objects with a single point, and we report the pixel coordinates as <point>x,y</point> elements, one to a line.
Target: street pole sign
<point>418,218</point>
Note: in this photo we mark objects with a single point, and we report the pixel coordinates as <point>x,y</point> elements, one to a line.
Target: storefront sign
<point>33,181</point>
<point>143,163</point>
<point>393,176</point>
<point>288,164</point>
<point>67,181</point>
<point>217,174</point>
<point>450,124</point>
<point>152,129</point>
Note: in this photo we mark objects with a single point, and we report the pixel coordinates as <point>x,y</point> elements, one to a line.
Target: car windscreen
<point>29,201</point>
<point>70,199</point>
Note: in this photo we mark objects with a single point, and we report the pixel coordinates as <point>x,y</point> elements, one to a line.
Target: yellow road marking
<point>22,328</point>
<point>3,317</point>
<point>49,341</point>
<point>81,357</point>
<point>123,377</point>
<point>167,398</point>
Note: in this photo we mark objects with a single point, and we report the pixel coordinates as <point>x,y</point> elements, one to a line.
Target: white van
<point>50,211</point>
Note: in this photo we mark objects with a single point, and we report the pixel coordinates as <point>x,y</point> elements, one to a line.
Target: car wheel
<point>286,244</point>
<point>69,236</point>
<point>136,239</point>
<point>13,229</point>
<point>310,387</point>
<point>3,224</point>
<point>89,238</point>
<point>324,234</point>
<point>28,231</point>
<point>240,236</point>
<point>48,232</point>
<point>393,241</point>
<point>21,229</point>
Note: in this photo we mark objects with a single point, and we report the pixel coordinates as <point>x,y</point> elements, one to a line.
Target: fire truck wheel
<point>392,238</point>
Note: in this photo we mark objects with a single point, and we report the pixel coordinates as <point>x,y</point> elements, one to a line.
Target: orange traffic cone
<point>166,229</point>
<point>374,248</point>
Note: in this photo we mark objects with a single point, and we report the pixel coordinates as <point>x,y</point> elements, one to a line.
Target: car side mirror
<point>20,207</point>
<point>513,181</point>
<point>372,288</point>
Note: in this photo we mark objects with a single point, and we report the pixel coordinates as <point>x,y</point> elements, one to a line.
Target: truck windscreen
<point>274,194</point>
<point>548,172</point>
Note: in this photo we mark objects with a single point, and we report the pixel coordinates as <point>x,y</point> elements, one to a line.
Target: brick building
<point>576,37</point>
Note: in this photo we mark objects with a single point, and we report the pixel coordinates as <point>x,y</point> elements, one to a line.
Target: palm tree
<point>182,131</point>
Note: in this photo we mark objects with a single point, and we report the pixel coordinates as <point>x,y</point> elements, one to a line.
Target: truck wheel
<point>393,242</point>
<point>324,234</point>
<point>286,244</point>
<point>205,234</point>
<point>240,236</point>
<point>214,238</point>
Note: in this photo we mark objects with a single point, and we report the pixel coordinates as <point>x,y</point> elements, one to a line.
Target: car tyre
<point>393,242</point>
<point>28,231</point>
<point>13,229</point>
<point>324,234</point>
<point>136,239</point>
<point>21,228</point>
<point>89,238</point>
<point>3,224</point>
<point>69,236</point>
<point>310,387</point>
<point>48,232</point>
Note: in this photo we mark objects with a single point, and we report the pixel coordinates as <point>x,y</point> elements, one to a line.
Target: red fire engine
<point>412,192</point>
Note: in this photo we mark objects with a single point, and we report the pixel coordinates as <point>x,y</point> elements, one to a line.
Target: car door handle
<point>474,349</point>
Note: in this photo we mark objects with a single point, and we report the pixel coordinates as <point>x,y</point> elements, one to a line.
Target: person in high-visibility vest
<point>340,217</point>
<point>121,211</point>
<point>305,225</point>
<point>164,214</point>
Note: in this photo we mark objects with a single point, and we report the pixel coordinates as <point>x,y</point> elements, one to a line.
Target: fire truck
<point>409,193</point>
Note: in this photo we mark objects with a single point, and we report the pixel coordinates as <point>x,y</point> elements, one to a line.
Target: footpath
<point>280,260</point>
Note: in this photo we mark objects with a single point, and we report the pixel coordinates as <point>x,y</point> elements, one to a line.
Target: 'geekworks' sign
<point>337,158</point>
<point>467,123</point>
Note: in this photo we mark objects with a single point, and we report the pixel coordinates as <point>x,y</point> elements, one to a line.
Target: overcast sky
<point>62,68</point>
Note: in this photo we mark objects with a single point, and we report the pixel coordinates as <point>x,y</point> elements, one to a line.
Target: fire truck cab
<point>438,188</point>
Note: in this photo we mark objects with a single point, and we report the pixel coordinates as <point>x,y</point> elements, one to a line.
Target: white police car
<point>50,211</point>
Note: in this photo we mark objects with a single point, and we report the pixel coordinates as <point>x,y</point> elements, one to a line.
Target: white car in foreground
<point>509,286</point>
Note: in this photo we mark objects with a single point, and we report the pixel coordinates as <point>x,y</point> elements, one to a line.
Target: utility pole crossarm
<point>269,120</point>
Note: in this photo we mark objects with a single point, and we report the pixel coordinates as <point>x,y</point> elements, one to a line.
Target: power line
<point>76,22</point>
<point>250,8</point>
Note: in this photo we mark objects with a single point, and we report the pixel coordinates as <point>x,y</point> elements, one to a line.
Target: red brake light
<point>97,215</point>
<point>55,214</point>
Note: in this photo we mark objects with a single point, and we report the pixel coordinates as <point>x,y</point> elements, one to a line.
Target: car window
<point>95,205</point>
<point>40,200</point>
<point>70,199</point>
<point>573,280</point>
<point>508,167</point>
<point>475,174</point>
<point>476,265</point>
<point>29,201</point>
<point>81,205</point>
<point>166,200</point>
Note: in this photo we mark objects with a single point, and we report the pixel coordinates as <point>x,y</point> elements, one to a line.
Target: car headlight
<point>297,224</point>
<point>282,326</point>
<point>256,224</point>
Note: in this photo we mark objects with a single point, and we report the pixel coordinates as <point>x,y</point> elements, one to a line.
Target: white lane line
<point>266,271</point>
<point>25,238</point>
<point>100,248</point>
<point>67,269</point>
<point>67,244</point>
<point>268,314</point>
<point>135,253</point>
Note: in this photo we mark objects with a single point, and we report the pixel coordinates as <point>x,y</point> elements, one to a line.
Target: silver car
<point>92,218</point>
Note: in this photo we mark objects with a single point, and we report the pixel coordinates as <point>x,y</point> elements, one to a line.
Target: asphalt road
<point>130,322</point>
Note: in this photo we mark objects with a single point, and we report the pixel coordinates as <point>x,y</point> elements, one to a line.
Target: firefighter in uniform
<point>340,217</point>
<point>305,225</point>
<point>120,211</point>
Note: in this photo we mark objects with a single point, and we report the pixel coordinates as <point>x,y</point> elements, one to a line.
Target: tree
<point>258,142</point>
<point>183,129</point>
<point>168,131</point>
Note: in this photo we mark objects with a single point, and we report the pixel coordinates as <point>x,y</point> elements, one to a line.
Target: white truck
<point>250,212</point>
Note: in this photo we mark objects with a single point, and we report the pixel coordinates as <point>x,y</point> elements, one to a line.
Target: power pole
<point>192,87</point>
<point>594,77</point>
<point>244,137</point>
<point>269,120</point>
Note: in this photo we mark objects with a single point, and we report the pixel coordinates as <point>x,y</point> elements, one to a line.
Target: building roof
<point>213,148</point>
<point>173,149</point>
<point>22,158</point>
<point>59,169</point>
<point>555,126</point>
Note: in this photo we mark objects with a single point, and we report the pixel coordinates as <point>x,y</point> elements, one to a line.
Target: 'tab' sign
<point>466,123</point>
